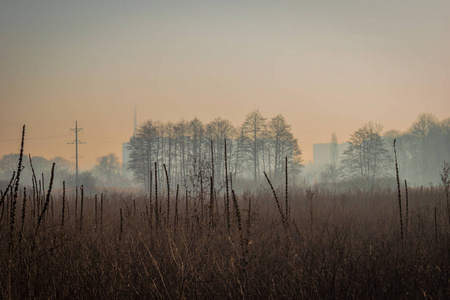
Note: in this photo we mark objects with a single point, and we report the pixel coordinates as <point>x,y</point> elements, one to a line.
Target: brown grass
<point>353,250</point>
<point>326,245</point>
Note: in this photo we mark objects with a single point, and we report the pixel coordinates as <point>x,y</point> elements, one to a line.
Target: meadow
<point>276,242</point>
<point>329,245</point>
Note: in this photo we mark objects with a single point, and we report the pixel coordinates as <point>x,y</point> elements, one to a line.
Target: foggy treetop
<point>191,148</point>
<point>258,144</point>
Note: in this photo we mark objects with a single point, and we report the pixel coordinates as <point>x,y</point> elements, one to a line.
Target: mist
<point>277,149</point>
<point>192,151</point>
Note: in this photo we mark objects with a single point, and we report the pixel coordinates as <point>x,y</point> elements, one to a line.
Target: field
<point>58,244</point>
<point>225,149</point>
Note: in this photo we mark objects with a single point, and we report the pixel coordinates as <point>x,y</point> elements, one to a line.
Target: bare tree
<point>254,127</point>
<point>239,154</point>
<point>366,157</point>
<point>197,132</point>
<point>169,135</point>
<point>108,167</point>
<point>181,130</point>
<point>424,142</point>
<point>185,147</point>
<point>217,131</point>
<point>281,143</point>
<point>142,156</point>
<point>8,164</point>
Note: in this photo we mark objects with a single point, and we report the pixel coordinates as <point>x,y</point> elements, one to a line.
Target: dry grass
<point>352,251</point>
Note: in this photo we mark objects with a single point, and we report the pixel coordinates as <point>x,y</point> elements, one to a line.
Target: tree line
<point>369,158</point>
<point>422,149</point>
<point>107,171</point>
<point>194,153</point>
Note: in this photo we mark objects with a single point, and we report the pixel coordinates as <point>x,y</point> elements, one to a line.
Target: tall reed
<point>168,195</point>
<point>156,197</point>
<point>212,162</point>
<point>243,243</point>
<point>406,209</point>
<point>4,195</point>
<point>76,201</point>
<point>81,207</point>
<point>63,207</point>
<point>150,202</point>
<point>239,220</point>
<point>211,202</point>
<point>16,191</point>
<point>45,207</point>
<point>43,185</point>
<point>121,224</point>
<point>202,205</point>
<point>398,192</point>
<point>445,181</point>
<point>40,199</point>
<point>35,184</point>
<point>283,217</point>
<point>176,206</point>
<point>95,211</point>
<point>227,203</point>
<point>286,188</point>
<point>101,210</point>
<point>24,206</point>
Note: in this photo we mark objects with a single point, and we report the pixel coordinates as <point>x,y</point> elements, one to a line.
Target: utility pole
<point>76,142</point>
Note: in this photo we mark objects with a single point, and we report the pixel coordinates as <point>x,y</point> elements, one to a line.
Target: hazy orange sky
<point>327,66</point>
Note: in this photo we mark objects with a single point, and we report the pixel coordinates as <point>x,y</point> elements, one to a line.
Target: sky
<point>326,66</point>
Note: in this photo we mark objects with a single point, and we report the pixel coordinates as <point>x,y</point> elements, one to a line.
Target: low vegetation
<point>271,243</point>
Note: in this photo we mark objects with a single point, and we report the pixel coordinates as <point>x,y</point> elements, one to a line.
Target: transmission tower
<point>76,142</point>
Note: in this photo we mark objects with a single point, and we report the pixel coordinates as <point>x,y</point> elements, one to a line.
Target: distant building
<point>322,153</point>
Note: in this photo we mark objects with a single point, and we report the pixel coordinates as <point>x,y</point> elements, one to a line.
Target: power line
<point>105,139</point>
<point>76,142</point>
<point>35,138</point>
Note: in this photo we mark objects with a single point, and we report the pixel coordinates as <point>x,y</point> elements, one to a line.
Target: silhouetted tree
<point>107,167</point>
<point>254,128</point>
<point>88,180</point>
<point>281,143</point>
<point>366,157</point>
<point>142,147</point>
<point>185,147</point>
<point>197,132</point>
<point>217,131</point>
<point>8,164</point>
